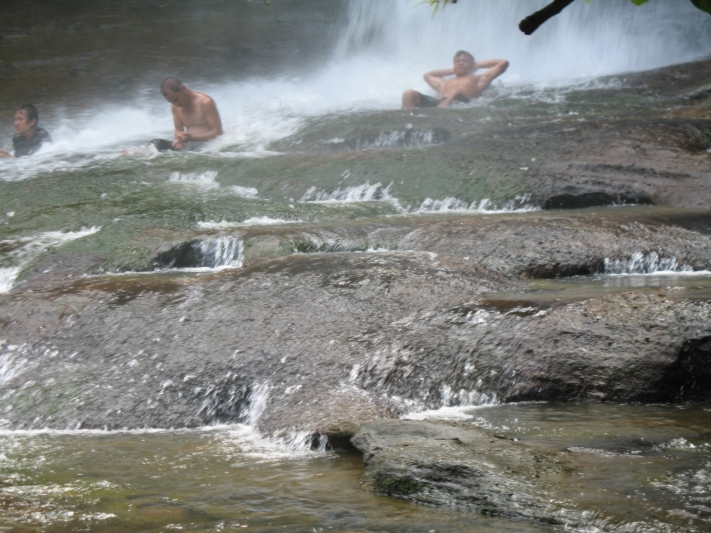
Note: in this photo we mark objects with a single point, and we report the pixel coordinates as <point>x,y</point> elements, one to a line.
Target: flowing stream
<point>649,463</point>
<point>165,315</point>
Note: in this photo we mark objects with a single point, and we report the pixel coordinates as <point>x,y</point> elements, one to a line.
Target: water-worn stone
<point>623,347</point>
<point>456,466</point>
<point>321,343</point>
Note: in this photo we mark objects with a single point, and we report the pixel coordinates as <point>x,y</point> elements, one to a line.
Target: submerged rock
<point>456,466</point>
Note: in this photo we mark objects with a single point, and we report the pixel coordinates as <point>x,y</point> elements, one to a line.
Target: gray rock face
<point>622,348</point>
<point>323,343</point>
<point>457,466</point>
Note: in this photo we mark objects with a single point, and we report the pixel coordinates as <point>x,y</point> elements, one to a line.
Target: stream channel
<point>339,316</point>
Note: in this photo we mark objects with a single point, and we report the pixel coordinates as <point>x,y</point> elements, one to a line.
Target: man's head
<point>463,63</point>
<point>26,118</point>
<point>174,91</point>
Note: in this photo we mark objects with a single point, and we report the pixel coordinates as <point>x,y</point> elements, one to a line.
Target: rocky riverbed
<point>369,265</point>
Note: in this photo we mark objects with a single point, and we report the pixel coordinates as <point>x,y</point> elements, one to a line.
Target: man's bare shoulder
<point>204,99</point>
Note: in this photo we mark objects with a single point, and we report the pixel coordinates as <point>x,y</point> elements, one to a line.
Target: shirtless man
<point>463,87</point>
<point>195,116</point>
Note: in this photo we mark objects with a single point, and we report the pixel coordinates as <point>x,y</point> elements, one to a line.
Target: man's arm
<point>496,68</point>
<point>3,153</point>
<point>179,141</point>
<point>434,78</point>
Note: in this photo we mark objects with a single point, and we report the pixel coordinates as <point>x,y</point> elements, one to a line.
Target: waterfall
<point>587,39</point>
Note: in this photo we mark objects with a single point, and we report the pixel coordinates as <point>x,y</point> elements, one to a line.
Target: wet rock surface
<point>643,140</point>
<point>320,343</point>
<point>566,465</point>
<point>600,349</point>
<point>356,269</point>
<point>458,466</point>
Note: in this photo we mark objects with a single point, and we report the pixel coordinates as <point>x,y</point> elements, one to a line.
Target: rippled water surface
<point>262,243</point>
<point>640,467</point>
<point>222,479</point>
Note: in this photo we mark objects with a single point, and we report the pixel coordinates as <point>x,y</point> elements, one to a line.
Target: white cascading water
<point>649,263</point>
<point>383,48</point>
<point>587,39</point>
<point>224,252</point>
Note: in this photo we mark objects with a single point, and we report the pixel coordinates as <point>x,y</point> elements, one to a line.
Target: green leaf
<point>703,5</point>
<point>639,2</point>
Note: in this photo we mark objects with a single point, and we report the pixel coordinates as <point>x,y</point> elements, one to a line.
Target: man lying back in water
<point>195,116</point>
<point>29,137</point>
<point>463,87</point>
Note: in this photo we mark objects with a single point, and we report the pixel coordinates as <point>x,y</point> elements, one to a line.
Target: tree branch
<point>533,22</point>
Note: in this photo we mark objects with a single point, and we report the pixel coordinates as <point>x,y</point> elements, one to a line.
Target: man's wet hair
<point>174,84</point>
<point>31,111</point>
<point>464,53</point>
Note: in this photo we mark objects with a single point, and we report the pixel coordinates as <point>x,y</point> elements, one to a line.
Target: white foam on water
<point>22,250</point>
<point>239,441</point>
<point>585,40</point>
<point>485,207</point>
<point>383,49</point>
<point>207,180</point>
<point>664,273</point>
<point>253,221</point>
<point>257,402</point>
<point>224,253</point>
<point>203,179</point>
<point>641,263</point>
<point>8,277</point>
<point>247,155</point>
<point>217,254</point>
<point>244,192</point>
<point>443,413</point>
<point>456,412</point>
<point>254,448</point>
<point>358,193</point>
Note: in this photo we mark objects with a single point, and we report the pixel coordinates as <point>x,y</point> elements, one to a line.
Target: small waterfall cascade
<point>649,263</point>
<point>218,253</point>
<point>222,252</point>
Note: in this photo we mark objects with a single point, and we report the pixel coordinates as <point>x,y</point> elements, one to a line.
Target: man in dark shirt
<point>29,136</point>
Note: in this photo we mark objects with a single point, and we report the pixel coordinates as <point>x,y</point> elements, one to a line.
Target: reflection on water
<point>222,479</point>
<point>549,292</point>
